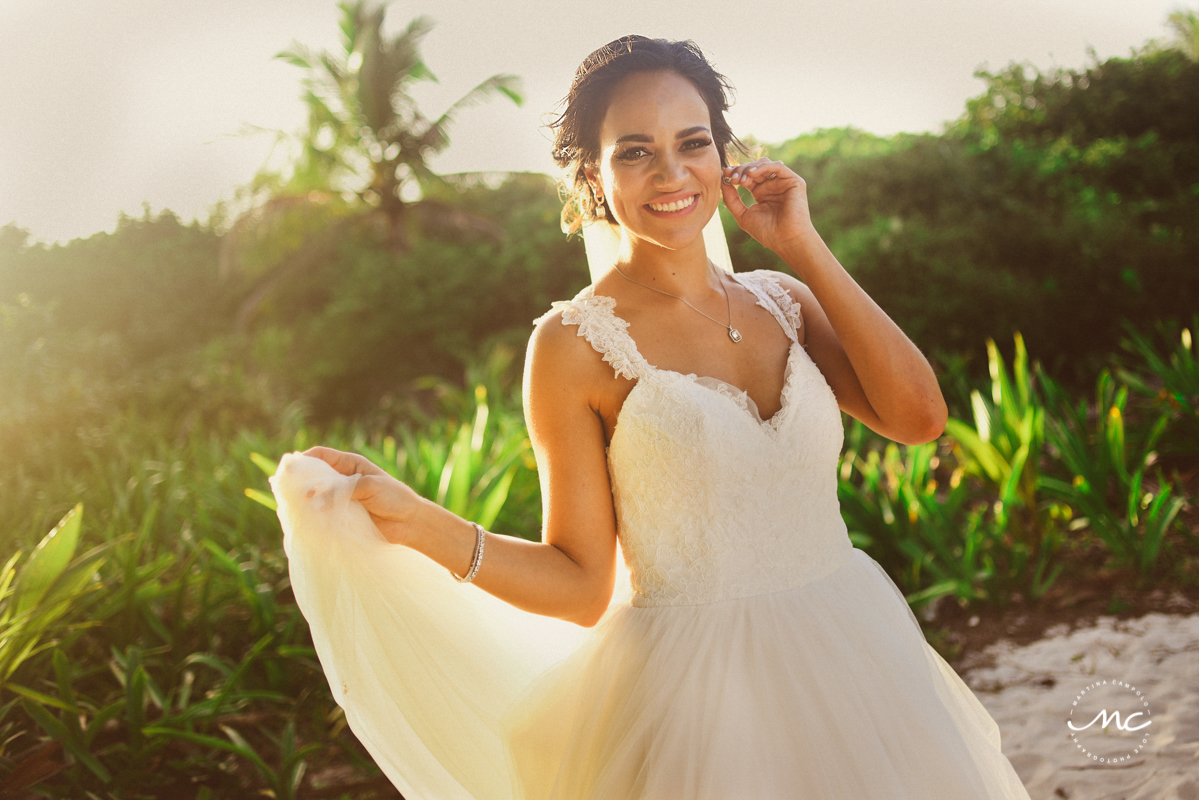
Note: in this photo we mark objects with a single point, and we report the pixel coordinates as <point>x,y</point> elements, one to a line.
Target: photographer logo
<point>1110,721</point>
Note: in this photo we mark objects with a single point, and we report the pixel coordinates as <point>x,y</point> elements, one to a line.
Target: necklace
<point>734,334</point>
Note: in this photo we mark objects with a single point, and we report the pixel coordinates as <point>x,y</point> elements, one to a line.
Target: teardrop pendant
<point>734,334</point>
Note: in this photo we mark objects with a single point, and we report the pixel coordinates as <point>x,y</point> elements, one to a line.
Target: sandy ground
<point>1030,691</point>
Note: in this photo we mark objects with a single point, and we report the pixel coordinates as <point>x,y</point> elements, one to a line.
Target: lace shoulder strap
<point>606,332</point>
<point>774,298</point>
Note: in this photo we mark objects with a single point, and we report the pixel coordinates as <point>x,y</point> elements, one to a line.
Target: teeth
<point>678,205</point>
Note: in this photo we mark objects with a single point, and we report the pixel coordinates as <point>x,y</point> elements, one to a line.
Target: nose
<point>670,171</point>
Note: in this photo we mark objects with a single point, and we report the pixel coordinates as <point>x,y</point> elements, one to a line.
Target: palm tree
<point>365,144</point>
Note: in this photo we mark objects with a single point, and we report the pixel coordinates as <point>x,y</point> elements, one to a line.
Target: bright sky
<point>108,104</point>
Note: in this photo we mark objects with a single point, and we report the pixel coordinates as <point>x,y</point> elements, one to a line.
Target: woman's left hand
<point>779,216</point>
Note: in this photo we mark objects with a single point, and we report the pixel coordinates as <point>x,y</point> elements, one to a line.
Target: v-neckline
<point>765,425</point>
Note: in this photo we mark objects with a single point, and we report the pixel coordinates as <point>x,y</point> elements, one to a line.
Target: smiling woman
<point>747,650</point>
<point>577,143</point>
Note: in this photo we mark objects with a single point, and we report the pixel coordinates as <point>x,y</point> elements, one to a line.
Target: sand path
<point>1030,691</point>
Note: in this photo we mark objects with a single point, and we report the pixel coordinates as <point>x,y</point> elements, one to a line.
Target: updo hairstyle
<point>577,129</point>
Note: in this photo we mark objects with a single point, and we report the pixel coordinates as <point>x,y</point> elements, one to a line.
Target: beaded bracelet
<point>478,557</point>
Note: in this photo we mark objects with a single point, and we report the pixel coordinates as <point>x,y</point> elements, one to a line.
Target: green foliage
<point>366,137</point>
<point>469,459</point>
<point>1171,382</point>
<point>1108,485</point>
<point>894,511</point>
<point>1003,448</point>
<point>190,650</point>
<point>196,656</point>
<point>352,335</point>
<point>363,160</point>
<point>37,596</point>
<point>1061,204</point>
<point>1185,25</point>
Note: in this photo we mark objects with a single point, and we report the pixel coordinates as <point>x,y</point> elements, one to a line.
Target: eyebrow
<point>641,137</point>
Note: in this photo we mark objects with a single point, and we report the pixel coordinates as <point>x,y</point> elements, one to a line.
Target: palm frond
<point>1185,24</point>
<point>410,37</point>
<point>297,55</point>
<point>350,24</point>
<point>437,137</point>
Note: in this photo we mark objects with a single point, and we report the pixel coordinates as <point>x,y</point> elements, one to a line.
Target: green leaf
<point>455,477</point>
<point>44,699</point>
<point>1011,483</point>
<point>135,694</point>
<point>983,452</point>
<point>496,498</point>
<point>57,730</point>
<point>263,498</point>
<point>209,741</point>
<point>512,95</point>
<point>294,58</point>
<point>265,464</point>
<point>296,651</point>
<point>49,559</point>
<point>209,661</point>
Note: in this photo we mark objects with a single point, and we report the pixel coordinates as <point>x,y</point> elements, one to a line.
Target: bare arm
<point>878,375</point>
<point>571,572</point>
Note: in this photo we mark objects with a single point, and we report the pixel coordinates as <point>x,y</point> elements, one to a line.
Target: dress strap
<point>774,298</point>
<point>607,333</point>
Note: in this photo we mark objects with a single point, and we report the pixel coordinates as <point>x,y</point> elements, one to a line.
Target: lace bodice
<point>712,502</point>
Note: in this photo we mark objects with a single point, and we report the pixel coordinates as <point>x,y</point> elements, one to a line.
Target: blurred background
<point>234,230</point>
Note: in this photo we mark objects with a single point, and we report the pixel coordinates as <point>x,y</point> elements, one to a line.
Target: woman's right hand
<point>392,504</point>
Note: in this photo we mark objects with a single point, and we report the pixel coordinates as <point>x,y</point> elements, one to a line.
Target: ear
<point>593,178</point>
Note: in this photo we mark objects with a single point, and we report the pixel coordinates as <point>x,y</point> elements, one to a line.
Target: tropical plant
<point>895,510</point>
<point>1108,486</point>
<point>363,156</point>
<point>37,595</point>
<point>1171,382</point>
<point>1003,447</point>
<point>173,661</point>
<point>466,464</point>
<point>1184,25</point>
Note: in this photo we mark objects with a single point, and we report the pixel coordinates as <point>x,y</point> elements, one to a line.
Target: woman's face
<point>659,168</point>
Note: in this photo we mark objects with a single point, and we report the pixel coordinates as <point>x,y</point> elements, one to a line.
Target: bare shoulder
<point>558,350</point>
<point>562,369</point>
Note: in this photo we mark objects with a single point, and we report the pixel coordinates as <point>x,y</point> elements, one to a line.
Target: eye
<point>632,153</point>
<point>696,144</point>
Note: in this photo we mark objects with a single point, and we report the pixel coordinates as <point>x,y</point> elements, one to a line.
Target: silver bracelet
<point>475,561</point>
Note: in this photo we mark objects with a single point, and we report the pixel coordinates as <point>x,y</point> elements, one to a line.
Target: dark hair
<point>576,130</point>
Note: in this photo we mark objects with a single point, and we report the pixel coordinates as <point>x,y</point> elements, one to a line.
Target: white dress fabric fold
<point>750,651</point>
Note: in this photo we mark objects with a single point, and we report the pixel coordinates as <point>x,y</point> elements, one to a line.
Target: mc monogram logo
<point>1110,721</point>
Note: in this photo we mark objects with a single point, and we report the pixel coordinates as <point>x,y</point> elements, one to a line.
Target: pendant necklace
<point>734,334</point>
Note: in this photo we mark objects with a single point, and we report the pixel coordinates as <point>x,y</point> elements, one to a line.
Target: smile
<point>677,205</point>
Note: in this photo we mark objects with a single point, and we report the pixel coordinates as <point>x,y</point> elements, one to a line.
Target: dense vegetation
<point>149,377</point>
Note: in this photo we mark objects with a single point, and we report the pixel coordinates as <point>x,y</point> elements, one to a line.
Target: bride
<point>695,623</point>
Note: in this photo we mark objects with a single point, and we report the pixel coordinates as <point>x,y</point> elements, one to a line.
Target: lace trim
<point>738,396</point>
<point>784,307</point>
<point>605,331</point>
<point>608,334</point>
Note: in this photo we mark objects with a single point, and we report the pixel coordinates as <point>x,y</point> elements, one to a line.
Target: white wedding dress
<point>751,652</point>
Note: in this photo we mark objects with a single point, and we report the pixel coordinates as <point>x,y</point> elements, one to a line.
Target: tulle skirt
<point>824,692</point>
